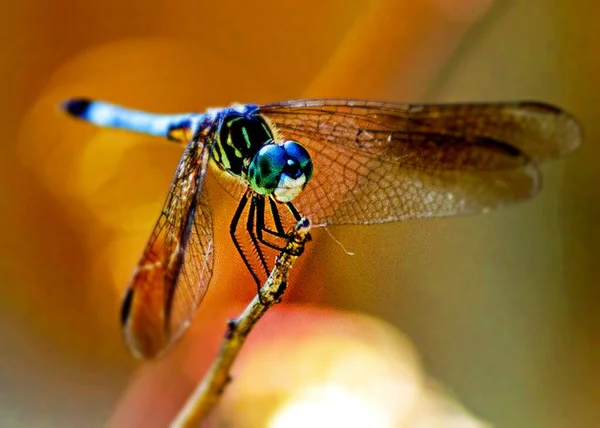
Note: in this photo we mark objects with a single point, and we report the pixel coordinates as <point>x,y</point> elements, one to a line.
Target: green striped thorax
<point>246,147</point>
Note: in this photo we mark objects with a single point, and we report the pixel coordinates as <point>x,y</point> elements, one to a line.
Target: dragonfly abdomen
<point>161,125</point>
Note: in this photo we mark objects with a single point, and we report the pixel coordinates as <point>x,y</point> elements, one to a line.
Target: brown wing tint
<point>376,162</point>
<point>174,271</point>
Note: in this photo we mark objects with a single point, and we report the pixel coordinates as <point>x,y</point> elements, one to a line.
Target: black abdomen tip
<point>77,107</point>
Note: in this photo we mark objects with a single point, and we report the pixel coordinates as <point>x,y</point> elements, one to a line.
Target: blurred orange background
<point>501,309</point>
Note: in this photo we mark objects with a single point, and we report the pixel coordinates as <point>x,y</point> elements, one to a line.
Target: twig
<point>210,389</point>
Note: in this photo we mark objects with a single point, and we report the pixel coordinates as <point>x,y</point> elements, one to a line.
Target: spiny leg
<point>232,230</point>
<point>260,225</point>
<point>250,229</point>
<point>276,218</point>
<point>297,216</point>
<point>293,210</point>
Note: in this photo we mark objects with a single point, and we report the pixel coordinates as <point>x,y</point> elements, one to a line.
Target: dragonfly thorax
<point>281,170</point>
<point>241,132</point>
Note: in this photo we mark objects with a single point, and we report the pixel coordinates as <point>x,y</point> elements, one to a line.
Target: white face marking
<point>288,188</point>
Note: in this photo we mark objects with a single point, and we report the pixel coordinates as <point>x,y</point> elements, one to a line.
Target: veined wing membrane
<point>376,162</point>
<point>174,271</point>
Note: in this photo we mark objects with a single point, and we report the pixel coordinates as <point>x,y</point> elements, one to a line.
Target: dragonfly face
<point>280,170</point>
<point>333,161</point>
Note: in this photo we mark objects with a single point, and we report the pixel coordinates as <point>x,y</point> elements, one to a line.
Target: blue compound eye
<point>300,159</point>
<point>266,167</point>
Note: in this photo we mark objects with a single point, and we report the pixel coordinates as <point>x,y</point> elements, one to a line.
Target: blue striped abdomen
<point>109,115</point>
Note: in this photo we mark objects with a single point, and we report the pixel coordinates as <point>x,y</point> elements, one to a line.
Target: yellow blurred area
<point>329,370</point>
<point>501,309</point>
<point>302,366</point>
<point>355,372</point>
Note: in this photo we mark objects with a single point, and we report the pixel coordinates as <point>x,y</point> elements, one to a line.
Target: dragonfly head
<point>281,170</point>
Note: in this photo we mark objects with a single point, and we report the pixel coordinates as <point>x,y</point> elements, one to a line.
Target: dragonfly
<point>334,161</point>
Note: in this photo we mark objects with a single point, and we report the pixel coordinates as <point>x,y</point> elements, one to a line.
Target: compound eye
<point>301,163</point>
<point>266,168</point>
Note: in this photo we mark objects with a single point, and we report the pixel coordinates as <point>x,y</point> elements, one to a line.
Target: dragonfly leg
<point>260,225</point>
<point>278,224</point>
<point>297,216</point>
<point>293,210</point>
<point>232,232</point>
<point>250,228</point>
<point>276,218</point>
<point>250,231</point>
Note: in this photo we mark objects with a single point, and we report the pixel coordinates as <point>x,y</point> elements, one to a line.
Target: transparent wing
<point>174,271</point>
<point>376,162</point>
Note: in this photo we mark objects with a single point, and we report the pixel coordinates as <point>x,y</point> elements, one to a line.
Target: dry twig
<point>210,389</point>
